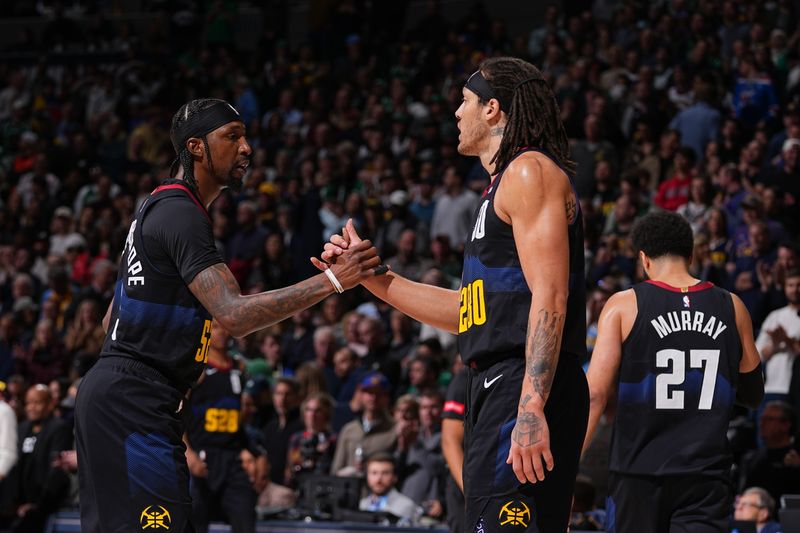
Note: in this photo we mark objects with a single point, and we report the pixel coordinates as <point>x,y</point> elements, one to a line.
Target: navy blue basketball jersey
<point>496,299</point>
<point>213,419</point>
<point>155,318</point>
<point>677,382</point>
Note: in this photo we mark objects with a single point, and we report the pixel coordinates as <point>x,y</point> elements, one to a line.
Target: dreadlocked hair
<point>187,112</point>
<point>533,116</point>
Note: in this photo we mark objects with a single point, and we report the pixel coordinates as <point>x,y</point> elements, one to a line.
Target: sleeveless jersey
<point>213,411</point>
<point>155,318</point>
<point>677,382</point>
<point>496,299</point>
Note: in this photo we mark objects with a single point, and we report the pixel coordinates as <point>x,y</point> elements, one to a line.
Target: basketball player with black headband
<point>519,313</point>
<point>172,281</point>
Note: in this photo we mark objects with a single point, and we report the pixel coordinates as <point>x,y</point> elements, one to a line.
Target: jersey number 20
<point>667,398</point>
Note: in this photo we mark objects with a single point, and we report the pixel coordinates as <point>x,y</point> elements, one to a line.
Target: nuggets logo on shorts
<point>155,518</point>
<point>515,513</point>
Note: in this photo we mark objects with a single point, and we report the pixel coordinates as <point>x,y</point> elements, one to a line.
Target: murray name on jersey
<point>688,321</point>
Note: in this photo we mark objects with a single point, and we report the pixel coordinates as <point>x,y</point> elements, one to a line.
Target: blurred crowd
<point>691,106</point>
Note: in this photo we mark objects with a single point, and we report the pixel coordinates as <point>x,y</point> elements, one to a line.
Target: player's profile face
<point>472,129</point>
<point>230,153</point>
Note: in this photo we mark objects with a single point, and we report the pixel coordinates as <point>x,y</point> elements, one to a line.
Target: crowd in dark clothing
<point>686,106</point>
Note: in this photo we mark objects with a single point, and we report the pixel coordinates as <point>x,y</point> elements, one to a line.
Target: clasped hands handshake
<point>350,259</point>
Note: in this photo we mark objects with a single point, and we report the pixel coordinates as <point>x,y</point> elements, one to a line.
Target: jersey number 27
<point>672,398</point>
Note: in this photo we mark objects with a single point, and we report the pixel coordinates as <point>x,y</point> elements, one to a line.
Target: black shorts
<point>129,438</point>
<point>495,500</point>
<point>668,504</point>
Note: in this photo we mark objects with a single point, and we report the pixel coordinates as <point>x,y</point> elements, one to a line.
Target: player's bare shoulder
<point>621,309</point>
<point>533,179</point>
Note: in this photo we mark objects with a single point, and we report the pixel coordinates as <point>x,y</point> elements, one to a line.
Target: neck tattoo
<point>496,132</point>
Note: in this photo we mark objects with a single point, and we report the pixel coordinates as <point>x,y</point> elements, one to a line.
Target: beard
<point>472,138</point>
<point>235,183</point>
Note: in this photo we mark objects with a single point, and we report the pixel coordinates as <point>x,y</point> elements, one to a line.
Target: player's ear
<point>195,147</point>
<point>492,110</point>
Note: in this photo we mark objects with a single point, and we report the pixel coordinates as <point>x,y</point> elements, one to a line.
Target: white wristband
<point>334,281</point>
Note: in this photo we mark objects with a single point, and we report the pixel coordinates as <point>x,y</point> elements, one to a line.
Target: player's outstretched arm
<point>534,197</point>
<point>218,291</point>
<point>606,357</point>
<point>435,306</point>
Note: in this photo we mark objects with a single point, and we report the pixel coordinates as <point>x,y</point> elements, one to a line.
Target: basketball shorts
<point>495,500</point>
<point>668,504</point>
<point>131,464</point>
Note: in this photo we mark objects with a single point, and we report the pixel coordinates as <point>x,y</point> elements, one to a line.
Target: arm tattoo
<point>525,401</point>
<point>496,132</point>
<point>527,430</point>
<point>571,210</point>
<point>221,296</point>
<point>542,350</point>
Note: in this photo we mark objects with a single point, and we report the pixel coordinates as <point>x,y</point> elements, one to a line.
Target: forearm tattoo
<point>221,296</point>
<point>528,430</point>
<point>542,350</point>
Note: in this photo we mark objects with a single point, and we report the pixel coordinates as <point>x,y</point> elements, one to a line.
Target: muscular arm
<point>536,198</point>
<point>219,292</point>
<point>428,304</point>
<point>532,196</point>
<point>452,448</point>
<point>606,355</point>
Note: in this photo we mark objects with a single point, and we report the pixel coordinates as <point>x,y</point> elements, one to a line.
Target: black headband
<point>478,84</point>
<point>203,123</point>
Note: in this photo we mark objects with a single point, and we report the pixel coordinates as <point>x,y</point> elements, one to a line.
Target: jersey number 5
<point>205,342</point>
<point>708,360</point>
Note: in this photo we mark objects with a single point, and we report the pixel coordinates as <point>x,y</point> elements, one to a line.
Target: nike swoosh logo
<point>488,383</point>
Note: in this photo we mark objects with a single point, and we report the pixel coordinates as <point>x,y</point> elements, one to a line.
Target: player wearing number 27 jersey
<point>680,353</point>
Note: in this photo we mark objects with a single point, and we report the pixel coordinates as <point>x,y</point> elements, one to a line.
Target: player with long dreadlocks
<point>172,281</point>
<point>519,314</point>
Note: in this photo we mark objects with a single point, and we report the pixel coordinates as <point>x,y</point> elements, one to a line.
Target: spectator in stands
<point>754,96</point>
<point>695,211</point>
<point>402,339</point>
<point>311,450</point>
<point>756,505</point>
<point>779,341</point>
<point>421,467</point>
<point>406,262</point>
<point>382,494</point>
<point>40,487</point>
<point>46,359</point>
<point>285,423</point>
<point>587,152</point>
<point>85,332</point>
<point>776,467</point>
<point>297,344</point>
<point>674,192</point>
<point>246,243</point>
<point>452,216</point>
<point>698,124</point>
<point>371,432</point>
<point>325,345</point>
